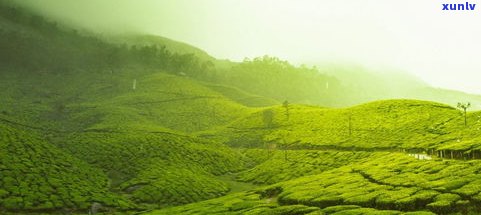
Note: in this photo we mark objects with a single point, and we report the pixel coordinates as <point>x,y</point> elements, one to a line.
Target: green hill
<point>145,124</point>
<point>150,160</point>
<point>382,125</point>
<point>158,168</point>
<point>381,183</point>
<point>37,176</point>
<point>159,101</point>
<point>241,97</point>
<point>122,146</point>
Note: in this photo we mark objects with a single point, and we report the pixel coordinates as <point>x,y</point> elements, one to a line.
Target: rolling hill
<point>37,176</point>
<point>364,183</point>
<point>107,142</point>
<point>381,125</point>
<point>143,124</point>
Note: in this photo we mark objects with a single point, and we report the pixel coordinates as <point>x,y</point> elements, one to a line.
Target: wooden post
<point>286,106</point>
<point>350,125</point>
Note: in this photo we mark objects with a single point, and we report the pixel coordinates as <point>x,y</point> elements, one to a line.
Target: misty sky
<point>440,47</point>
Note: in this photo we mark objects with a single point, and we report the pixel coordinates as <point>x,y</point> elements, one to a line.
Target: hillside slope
<point>381,125</point>
<point>117,133</point>
<point>352,183</point>
<point>37,176</point>
<point>171,45</point>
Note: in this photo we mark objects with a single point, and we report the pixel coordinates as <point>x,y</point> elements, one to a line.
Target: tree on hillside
<point>286,106</point>
<point>464,107</point>
<point>268,118</point>
<point>285,144</point>
<point>275,78</point>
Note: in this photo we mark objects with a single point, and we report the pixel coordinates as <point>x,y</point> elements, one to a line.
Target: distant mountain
<point>327,85</point>
<point>349,84</point>
<point>363,85</point>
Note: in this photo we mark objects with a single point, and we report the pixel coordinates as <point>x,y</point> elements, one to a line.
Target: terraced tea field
<point>140,124</point>
<point>358,183</point>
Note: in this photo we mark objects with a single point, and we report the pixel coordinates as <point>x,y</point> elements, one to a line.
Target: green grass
<point>235,185</point>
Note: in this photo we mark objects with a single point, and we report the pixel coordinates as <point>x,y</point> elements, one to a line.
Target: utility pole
<point>350,124</point>
<point>286,106</point>
<point>285,147</point>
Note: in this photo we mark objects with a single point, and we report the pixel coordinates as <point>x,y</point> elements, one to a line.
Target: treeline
<point>275,78</point>
<point>32,43</point>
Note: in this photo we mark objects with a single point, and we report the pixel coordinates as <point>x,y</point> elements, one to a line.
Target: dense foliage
<point>36,175</point>
<point>275,78</point>
<point>384,181</point>
<point>52,48</point>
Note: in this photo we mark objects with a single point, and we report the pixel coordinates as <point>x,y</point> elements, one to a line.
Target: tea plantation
<point>91,126</point>
<point>37,176</point>
<point>386,183</point>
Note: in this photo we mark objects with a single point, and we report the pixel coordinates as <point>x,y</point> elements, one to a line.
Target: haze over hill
<point>414,37</point>
<point>319,45</point>
<point>140,124</point>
